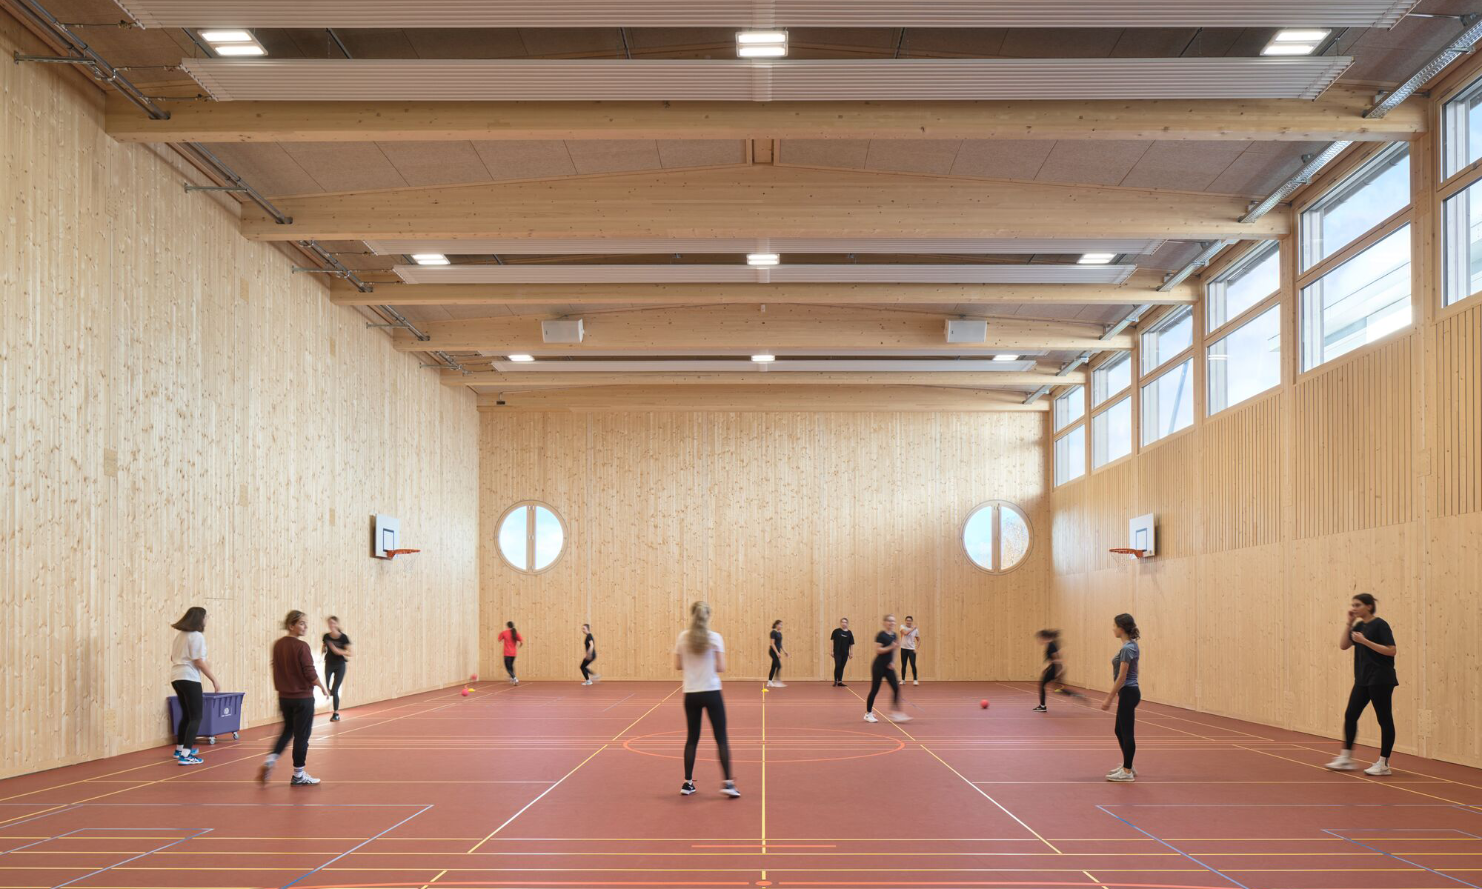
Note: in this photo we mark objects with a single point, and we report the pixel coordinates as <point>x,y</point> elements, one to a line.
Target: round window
<point>531,537</point>
<point>996,536</point>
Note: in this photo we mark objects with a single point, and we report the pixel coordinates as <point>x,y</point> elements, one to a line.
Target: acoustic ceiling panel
<point>776,13</point>
<point>1038,273</point>
<point>639,246</point>
<point>511,80</point>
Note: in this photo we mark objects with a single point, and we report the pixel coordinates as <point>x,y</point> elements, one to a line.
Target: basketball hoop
<point>1127,551</point>
<point>393,553</point>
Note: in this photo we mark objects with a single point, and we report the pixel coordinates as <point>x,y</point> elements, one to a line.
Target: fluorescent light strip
<point>762,260</point>
<point>792,273</point>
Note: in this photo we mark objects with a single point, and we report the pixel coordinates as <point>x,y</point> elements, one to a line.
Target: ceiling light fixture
<point>1096,259</point>
<point>227,36</point>
<point>764,358</point>
<point>1296,42</point>
<point>762,259</point>
<point>1005,357</point>
<point>233,42</point>
<point>761,44</point>
<point>522,358</point>
<point>429,259</point>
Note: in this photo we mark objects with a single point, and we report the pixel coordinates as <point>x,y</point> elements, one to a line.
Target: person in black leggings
<point>337,653</point>
<point>843,641</point>
<point>1054,666</point>
<point>910,638</point>
<point>775,649</point>
<point>883,668</point>
<point>700,653</point>
<point>589,654</point>
<point>1127,695</point>
<point>187,665</point>
<point>1374,681</point>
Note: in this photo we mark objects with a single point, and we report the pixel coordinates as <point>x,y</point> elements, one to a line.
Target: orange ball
<point>465,692</point>
<point>983,703</point>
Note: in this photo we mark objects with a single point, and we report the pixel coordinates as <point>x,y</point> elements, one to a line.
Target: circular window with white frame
<point>996,536</point>
<point>532,537</point>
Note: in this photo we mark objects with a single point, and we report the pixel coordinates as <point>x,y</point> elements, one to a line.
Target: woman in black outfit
<point>883,668</point>
<point>1054,666</point>
<point>1126,667</point>
<point>337,651</point>
<point>589,654</point>
<point>1374,681</point>
<point>776,650</point>
<point>843,641</point>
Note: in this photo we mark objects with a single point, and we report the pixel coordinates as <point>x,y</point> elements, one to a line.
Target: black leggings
<point>881,669</point>
<point>585,662</point>
<point>298,724</point>
<point>776,666</point>
<point>840,660</point>
<point>1051,674</point>
<point>336,675</point>
<point>192,706</point>
<point>1127,700</point>
<point>1382,697</point>
<point>696,702</point>
<point>908,659</point>
<point>509,665</point>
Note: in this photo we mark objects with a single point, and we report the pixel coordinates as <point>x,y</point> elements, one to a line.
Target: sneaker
<point>186,759</point>
<point>687,788</point>
<point>265,771</point>
<point>779,684</point>
<point>1119,769</point>
<point>1378,769</point>
<point>304,780</point>
<point>843,685</point>
<point>870,717</point>
<point>514,680</point>
<point>588,682</point>
<point>729,789</point>
<point>915,682</point>
<point>596,678</point>
<point>335,718</point>
<point>1040,709</point>
<point>1344,763</point>
<point>1122,776</point>
<point>898,716</point>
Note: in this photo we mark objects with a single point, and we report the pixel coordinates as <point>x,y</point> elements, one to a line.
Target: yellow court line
<point>434,879</point>
<point>536,800</point>
<point>764,774</point>
<point>646,712</point>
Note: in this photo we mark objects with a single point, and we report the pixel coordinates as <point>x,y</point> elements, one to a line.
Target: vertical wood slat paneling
<point>1458,446</point>
<point>791,516</point>
<point>1240,477</point>
<point>176,429</point>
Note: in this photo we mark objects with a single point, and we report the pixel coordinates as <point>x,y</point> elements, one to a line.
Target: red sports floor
<point>557,785</point>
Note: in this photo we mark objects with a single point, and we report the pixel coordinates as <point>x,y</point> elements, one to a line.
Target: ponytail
<point>1128,625</point>
<point>698,636</point>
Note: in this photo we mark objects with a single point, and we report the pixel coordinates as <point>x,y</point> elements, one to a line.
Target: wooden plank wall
<point>186,422</point>
<point>805,517</point>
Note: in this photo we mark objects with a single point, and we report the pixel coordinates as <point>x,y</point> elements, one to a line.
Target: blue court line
<point>1214,870</point>
<point>1401,858</point>
<point>110,867</point>
<point>618,701</point>
<point>360,845</point>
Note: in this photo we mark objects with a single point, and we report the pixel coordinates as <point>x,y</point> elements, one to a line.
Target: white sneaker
<point>1378,769</point>
<point>1122,776</point>
<point>588,682</point>
<point>870,717</point>
<point>515,681</point>
<point>1344,763</point>
<point>779,684</point>
<point>915,682</point>
<point>898,716</point>
<point>596,677</point>
<point>1119,769</point>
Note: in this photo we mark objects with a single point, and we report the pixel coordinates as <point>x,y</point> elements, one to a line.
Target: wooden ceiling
<point>1173,172</point>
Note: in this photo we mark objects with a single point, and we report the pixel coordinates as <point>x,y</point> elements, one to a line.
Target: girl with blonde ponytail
<point>700,653</point>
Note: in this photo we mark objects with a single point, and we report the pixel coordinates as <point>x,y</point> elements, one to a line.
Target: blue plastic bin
<point>222,714</point>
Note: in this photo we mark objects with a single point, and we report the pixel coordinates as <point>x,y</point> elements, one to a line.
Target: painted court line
<point>1340,831</point>
<point>359,845</point>
<point>110,867</point>
<point>1214,870</point>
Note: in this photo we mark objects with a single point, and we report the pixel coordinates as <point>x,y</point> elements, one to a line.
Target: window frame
<point>1230,329</point>
<point>1174,315</point>
<point>1055,401</point>
<point>1131,393</point>
<point>1359,246</point>
<point>1140,433</point>
<point>1084,449</point>
<point>530,536</point>
<point>1118,358</point>
<point>1242,262</point>
<point>1356,167</point>
<point>997,506</point>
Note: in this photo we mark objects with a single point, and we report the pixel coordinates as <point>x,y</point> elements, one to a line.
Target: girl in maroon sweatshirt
<point>295,678</point>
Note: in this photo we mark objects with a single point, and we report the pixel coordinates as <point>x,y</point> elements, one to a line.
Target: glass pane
<point>1375,191</point>
<point>1111,378</point>
<point>512,537</point>
<point>977,537</point>
<point>548,538</point>
<point>1247,362</point>
<point>1462,267</point>
<point>1111,433</point>
<point>1070,456</point>
<point>1461,131</point>
<point>1170,336</point>
<point>1168,403</point>
<point>1357,302</point>
<point>1070,407</point>
<point>1014,534</point>
<point>1251,280</point>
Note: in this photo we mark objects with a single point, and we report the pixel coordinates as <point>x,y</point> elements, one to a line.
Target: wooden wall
<point>183,421</point>
<point>803,517</point>
<point>1363,475</point>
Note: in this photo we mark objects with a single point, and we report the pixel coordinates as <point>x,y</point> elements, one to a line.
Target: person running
<point>700,654</point>
<point>295,679</point>
<point>589,654</point>
<point>1124,689</point>
<point>777,652</point>
<point>843,647</point>
<point>1374,681</point>
<point>512,641</point>
<point>883,668</point>
<point>910,636</point>
<point>337,654</point>
<point>187,665</point>
<point>1054,665</point>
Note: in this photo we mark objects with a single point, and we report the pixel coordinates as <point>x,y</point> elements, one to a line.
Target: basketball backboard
<point>1142,534</point>
<point>385,535</point>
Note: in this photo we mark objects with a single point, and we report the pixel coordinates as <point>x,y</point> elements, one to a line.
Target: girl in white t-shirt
<point>187,665</point>
<point>700,653</point>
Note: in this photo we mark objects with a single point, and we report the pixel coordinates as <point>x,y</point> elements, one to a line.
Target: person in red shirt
<point>295,679</point>
<point>512,641</point>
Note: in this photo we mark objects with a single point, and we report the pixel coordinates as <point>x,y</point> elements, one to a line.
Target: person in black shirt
<point>337,651</point>
<point>843,641</point>
<point>1054,666</point>
<point>589,654</point>
<point>1374,681</point>
<point>777,652</point>
<point>883,668</point>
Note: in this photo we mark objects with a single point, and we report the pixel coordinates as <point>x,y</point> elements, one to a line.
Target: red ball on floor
<point>983,703</point>
<point>465,692</point>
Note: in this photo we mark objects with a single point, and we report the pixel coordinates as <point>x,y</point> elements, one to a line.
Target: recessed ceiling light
<point>1289,49</point>
<point>761,44</point>
<point>233,36</point>
<point>1005,357</point>
<point>1295,42</point>
<point>762,259</point>
<point>1096,258</point>
<point>522,358</point>
<point>240,49</point>
<point>233,42</point>
<point>764,358</point>
<point>429,259</point>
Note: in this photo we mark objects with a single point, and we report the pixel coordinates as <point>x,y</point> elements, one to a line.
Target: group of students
<point>294,679</point>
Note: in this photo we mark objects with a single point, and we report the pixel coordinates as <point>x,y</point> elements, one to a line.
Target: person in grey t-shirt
<point>1124,689</point>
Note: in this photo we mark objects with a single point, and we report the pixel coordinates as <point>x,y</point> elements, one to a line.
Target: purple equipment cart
<point>222,714</point>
